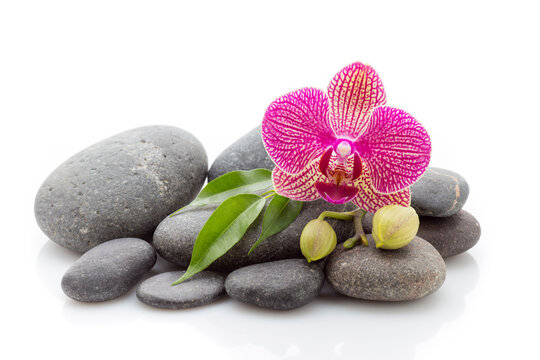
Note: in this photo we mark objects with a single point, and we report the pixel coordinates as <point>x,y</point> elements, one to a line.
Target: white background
<point>73,73</point>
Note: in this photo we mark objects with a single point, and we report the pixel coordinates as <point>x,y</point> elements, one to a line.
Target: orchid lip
<point>336,194</point>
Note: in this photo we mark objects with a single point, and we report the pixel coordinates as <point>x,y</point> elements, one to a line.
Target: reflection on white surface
<point>333,326</point>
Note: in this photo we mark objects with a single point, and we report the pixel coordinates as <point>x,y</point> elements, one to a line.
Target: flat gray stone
<point>201,289</point>
<point>439,192</point>
<point>409,273</point>
<point>451,235</point>
<point>122,186</point>
<point>246,153</point>
<point>175,236</point>
<point>278,285</point>
<point>108,270</point>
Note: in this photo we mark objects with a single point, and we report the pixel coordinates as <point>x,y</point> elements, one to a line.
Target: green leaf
<point>230,184</point>
<point>279,214</point>
<point>225,227</point>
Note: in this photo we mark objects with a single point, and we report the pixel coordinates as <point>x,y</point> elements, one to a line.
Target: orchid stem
<point>337,215</point>
<point>268,192</point>
<point>360,234</point>
<point>269,195</point>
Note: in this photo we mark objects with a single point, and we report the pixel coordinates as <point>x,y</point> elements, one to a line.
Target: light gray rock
<point>122,186</point>
<point>108,270</point>
<point>451,235</point>
<point>439,192</point>
<point>246,153</point>
<point>175,236</point>
<point>409,273</point>
<point>279,285</point>
<point>201,289</point>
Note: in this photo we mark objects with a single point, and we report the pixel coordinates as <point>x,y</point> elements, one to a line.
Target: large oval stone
<point>439,192</point>
<point>175,236</point>
<point>122,186</point>
<point>451,235</point>
<point>409,273</point>
<point>278,285</point>
<point>246,153</point>
<point>108,270</point>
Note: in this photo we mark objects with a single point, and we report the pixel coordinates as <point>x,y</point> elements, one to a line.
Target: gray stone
<point>279,285</point>
<point>409,273</point>
<point>108,270</point>
<point>439,192</point>
<point>201,289</point>
<point>175,236</point>
<point>451,235</point>
<point>247,153</point>
<point>122,186</point>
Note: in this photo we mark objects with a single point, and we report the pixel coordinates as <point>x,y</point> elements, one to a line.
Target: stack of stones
<point>111,202</point>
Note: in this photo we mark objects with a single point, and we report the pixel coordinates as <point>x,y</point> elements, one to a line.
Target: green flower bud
<point>394,226</point>
<point>318,239</point>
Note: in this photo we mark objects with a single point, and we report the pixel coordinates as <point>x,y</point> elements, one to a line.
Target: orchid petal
<point>299,186</point>
<point>396,147</point>
<point>370,200</point>
<point>296,129</point>
<point>354,92</point>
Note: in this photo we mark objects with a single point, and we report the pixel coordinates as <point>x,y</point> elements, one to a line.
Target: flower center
<point>343,149</point>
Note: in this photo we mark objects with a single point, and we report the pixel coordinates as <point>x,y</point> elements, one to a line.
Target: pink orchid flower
<point>345,146</point>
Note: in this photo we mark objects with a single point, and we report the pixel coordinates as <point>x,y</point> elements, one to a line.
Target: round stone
<point>246,153</point>
<point>409,273</point>
<point>201,289</point>
<point>439,192</point>
<point>108,270</point>
<point>278,285</point>
<point>120,187</point>
<point>450,235</point>
<point>175,236</point>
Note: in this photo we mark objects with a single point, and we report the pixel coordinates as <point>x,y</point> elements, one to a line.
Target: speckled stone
<point>439,192</point>
<point>451,235</point>
<point>175,236</point>
<point>409,273</point>
<point>201,289</point>
<point>247,153</point>
<point>278,285</point>
<point>122,186</point>
<point>108,270</point>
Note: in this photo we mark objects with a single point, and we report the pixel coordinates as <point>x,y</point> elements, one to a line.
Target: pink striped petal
<point>370,200</point>
<point>296,129</point>
<point>300,186</point>
<point>354,92</point>
<point>396,148</point>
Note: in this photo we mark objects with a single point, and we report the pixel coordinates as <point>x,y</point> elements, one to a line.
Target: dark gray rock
<point>122,186</point>
<point>451,235</point>
<point>247,153</point>
<point>439,192</point>
<point>279,285</point>
<point>409,273</point>
<point>108,270</point>
<point>201,289</point>
<point>175,236</point>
